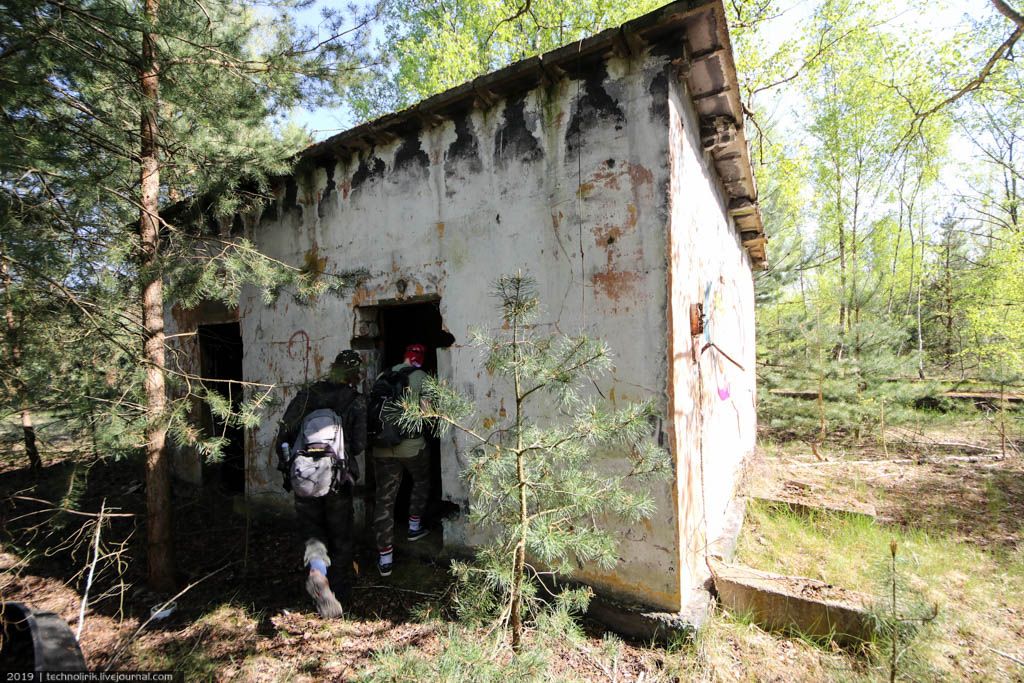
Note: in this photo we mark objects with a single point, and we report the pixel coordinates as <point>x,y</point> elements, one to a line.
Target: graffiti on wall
<point>714,313</point>
<point>298,347</point>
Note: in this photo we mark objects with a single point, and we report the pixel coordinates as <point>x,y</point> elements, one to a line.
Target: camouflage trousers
<point>325,524</point>
<point>388,472</point>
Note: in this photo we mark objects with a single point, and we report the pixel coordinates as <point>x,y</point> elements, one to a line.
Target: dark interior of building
<point>220,350</point>
<point>418,323</point>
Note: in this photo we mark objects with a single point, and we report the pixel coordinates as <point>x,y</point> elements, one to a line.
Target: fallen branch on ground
<point>406,590</point>
<point>104,514</point>
<point>1013,659</point>
<point>92,571</point>
<point>905,461</point>
<point>966,447</point>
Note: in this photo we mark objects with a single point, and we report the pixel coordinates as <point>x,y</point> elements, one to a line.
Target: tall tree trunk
<point>27,428</point>
<point>842,251</point>
<point>895,263</point>
<point>1010,183</point>
<point>158,481</point>
<point>920,326</point>
<point>854,304</point>
<point>948,282</point>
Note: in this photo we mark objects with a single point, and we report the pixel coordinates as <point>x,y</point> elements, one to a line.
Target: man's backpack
<point>318,456</point>
<point>385,396</point>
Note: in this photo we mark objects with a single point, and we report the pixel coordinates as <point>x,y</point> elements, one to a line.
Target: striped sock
<point>386,555</point>
<point>414,523</point>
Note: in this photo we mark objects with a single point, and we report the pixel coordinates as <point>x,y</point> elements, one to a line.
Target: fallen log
<point>804,509</point>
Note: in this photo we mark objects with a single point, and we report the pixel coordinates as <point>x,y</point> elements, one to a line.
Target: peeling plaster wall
<point>569,181</point>
<point>713,402</point>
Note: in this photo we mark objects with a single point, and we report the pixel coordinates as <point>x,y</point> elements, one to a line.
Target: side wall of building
<point>714,422</point>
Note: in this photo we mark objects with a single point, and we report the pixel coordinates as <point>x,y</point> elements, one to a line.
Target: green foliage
<point>230,72</point>
<point>431,46</point>
<point>463,656</point>
<point>543,480</point>
<point>903,617</point>
<point>465,653</point>
<point>878,271</point>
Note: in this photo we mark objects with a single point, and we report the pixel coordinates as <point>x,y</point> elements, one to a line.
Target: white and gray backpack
<point>319,454</point>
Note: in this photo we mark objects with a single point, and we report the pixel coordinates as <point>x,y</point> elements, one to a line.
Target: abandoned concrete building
<point>616,172</point>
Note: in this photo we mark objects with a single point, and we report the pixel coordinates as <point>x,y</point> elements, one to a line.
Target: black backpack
<point>384,399</point>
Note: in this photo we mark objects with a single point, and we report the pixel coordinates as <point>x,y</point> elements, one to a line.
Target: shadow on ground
<point>247,609</point>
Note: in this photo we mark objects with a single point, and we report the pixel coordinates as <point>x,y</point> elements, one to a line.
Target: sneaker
<point>327,606</point>
<point>384,568</point>
<point>418,534</point>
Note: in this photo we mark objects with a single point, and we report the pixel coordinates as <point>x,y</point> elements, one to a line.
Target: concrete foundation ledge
<point>797,604</point>
<point>866,513</point>
<point>725,545</point>
<point>640,623</point>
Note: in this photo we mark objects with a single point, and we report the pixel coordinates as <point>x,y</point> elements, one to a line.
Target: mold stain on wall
<point>514,140</point>
<point>595,107</point>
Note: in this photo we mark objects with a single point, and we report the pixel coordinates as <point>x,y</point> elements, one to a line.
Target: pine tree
<point>535,483</point>
<point>110,112</point>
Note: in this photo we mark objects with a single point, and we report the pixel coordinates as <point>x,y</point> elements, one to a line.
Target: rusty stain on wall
<point>313,263</point>
<point>422,209</point>
<point>616,284</point>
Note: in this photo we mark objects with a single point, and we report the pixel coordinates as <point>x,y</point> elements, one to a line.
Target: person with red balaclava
<point>410,455</point>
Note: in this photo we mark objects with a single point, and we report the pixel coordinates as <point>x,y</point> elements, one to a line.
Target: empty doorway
<point>220,352</point>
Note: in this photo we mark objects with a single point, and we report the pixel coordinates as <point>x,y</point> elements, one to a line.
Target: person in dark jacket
<point>412,456</point>
<point>325,523</point>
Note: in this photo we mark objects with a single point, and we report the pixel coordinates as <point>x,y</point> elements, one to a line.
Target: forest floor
<point>955,511</point>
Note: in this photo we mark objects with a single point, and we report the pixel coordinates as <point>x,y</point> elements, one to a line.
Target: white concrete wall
<point>570,183</point>
<point>713,403</point>
<point>449,228</point>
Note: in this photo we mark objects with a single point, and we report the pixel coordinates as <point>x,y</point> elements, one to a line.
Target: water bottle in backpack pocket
<point>318,457</point>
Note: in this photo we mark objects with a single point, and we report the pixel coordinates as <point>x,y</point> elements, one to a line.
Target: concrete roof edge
<point>565,56</point>
<point>653,27</point>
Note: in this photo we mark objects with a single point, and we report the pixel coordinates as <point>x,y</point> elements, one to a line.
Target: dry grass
<point>959,527</point>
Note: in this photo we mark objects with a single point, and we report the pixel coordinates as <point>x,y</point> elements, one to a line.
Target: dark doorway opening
<point>220,351</point>
<point>418,323</point>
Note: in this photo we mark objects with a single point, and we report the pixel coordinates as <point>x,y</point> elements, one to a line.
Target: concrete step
<point>794,604</point>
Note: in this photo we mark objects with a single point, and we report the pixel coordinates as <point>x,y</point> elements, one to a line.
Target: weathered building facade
<point>616,173</point>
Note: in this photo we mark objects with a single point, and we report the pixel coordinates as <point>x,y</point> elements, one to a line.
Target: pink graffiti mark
<point>305,357</point>
<point>718,365</point>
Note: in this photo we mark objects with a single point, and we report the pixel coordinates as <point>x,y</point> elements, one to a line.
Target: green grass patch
<point>977,591</point>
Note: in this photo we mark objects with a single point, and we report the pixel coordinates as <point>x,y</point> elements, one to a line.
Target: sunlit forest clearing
<point>139,144</point>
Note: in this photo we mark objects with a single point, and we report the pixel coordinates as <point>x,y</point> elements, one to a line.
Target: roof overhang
<point>706,63</point>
